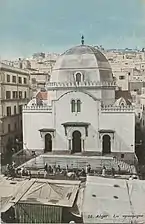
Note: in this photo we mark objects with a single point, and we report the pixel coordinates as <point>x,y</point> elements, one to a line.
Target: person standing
<point>119,169</point>
<point>30,175</point>
<point>89,168</point>
<point>104,171</point>
<point>14,164</point>
<point>113,171</point>
<point>45,174</point>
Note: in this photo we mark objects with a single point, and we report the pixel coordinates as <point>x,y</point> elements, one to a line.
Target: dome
<point>83,59</point>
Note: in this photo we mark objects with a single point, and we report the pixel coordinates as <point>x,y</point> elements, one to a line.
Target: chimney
<point>20,63</point>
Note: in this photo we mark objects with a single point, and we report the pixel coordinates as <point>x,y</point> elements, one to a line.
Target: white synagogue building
<point>78,113</point>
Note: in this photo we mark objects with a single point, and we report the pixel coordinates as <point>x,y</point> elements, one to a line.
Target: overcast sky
<point>28,26</point>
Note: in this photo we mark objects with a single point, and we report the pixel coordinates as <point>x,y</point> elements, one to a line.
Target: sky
<point>29,26</point>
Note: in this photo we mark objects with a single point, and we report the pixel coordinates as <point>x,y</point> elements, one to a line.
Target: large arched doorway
<point>48,143</point>
<point>106,144</point>
<point>76,142</point>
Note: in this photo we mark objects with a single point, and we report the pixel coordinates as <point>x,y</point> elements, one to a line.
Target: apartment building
<point>14,93</point>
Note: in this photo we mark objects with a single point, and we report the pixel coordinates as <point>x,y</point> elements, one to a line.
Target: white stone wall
<point>33,120</point>
<point>89,113</point>
<point>123,123</point>
<point>123,83</point>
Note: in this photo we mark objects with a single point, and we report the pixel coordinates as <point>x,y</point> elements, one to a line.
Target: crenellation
<point>117,108</point>
<point>81,84</point>
<point>36,107</point>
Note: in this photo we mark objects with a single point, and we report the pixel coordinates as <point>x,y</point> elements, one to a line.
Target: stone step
<point>75,162</point>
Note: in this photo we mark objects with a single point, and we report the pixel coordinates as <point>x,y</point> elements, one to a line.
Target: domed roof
<point>85,59</point>
<point>84,49</point>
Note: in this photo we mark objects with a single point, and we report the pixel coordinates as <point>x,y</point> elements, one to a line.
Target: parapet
<point>117,109</point>
<point>37,108</point>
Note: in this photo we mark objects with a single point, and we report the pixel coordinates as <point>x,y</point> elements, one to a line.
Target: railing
<point>125,166</point>
<point>22,157</point>
<point>80,84</point>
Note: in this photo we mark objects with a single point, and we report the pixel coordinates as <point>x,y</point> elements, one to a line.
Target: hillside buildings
<point>39,65</point>
<point>14,93</point>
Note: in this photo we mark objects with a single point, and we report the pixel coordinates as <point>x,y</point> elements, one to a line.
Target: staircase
<point>125,166</point>
<point>78,162</point>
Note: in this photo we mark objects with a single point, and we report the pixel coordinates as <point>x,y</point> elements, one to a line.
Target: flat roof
<point>110,200</point>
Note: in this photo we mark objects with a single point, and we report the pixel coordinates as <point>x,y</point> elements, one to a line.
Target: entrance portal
<point>106,144</point>
<point>48,143</point>
<point>76,142</point>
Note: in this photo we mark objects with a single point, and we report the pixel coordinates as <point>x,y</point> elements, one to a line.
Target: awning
<point>106,131</point>
<point>76,124</point>
<point>46,130</point>
<point>5,204</point>
<point>48,192</point>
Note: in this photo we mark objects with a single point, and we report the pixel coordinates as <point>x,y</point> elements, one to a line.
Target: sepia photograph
<point>72,111</point>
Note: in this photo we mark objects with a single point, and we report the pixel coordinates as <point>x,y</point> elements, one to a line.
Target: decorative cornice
<point>84,84</point>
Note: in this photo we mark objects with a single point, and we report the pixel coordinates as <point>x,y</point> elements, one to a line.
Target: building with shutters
<point>14,93</point>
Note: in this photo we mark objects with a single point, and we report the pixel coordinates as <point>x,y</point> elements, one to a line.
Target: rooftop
<point>114,201</point>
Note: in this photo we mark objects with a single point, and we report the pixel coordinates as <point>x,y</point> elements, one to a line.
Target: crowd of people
<point>13,171</point>
<point>76,173</point>
<point>57,170</point>
<point>70,173</point>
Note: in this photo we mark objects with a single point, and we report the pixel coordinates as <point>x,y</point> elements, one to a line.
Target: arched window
<point>78,77</point>
<point>78,106</point>
<point>73,105</point>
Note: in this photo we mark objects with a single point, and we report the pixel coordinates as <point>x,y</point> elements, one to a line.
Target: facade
<point>14,93</point>
<point>80,114</point>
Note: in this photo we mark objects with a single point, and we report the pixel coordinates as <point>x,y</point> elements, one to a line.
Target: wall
<point>96,93</point>
<point>33,120</point>
<point>108,96</point>
<point>123,83</point>
<point>123,123</point>
<point>105,93</point>
<point>89,113</point>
